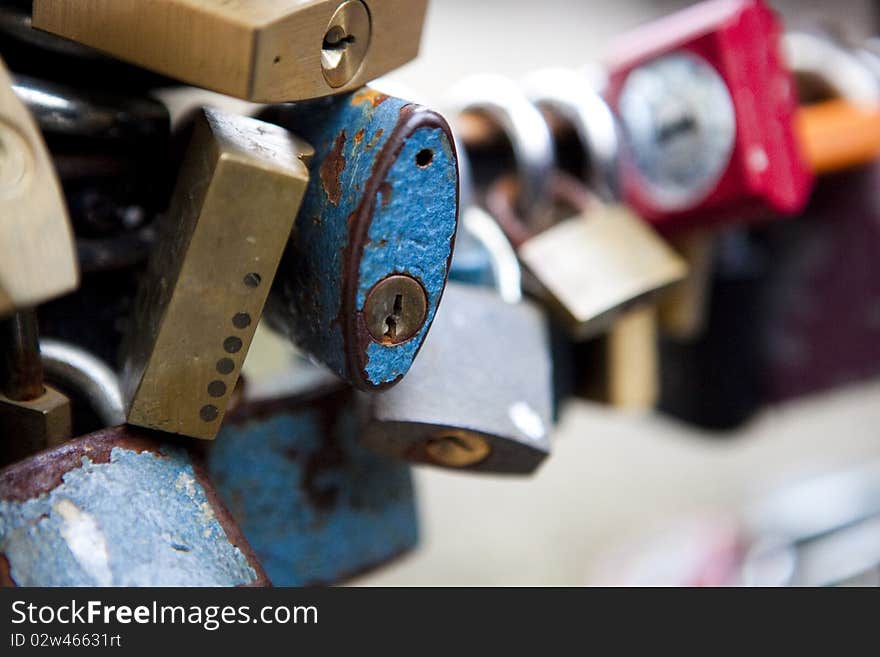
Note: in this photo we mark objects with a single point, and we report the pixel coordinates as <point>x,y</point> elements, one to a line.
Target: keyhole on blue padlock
<point>392,319</point>
<point>395,309</point>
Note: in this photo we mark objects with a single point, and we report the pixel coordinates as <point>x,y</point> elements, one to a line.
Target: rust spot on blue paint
<point>332,168</point>
<point>367,95</point>
<point>359,136</point>
<point>376,138</point>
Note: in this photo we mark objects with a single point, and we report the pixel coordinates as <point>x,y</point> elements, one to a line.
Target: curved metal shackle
<point>81,372</point>
<point>572,96</point>
<point>479,232</point>
<point>503,102</point>
<point>842,70</point>
<point>63,110</point>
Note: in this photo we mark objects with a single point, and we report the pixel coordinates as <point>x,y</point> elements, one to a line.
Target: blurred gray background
<point>613,477</point>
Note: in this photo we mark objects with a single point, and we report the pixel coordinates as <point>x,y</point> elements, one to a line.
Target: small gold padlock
<point>261,50</point>
<point>589,267</point>
<point>622,366</point>
<point>237,195</point>
<point>37,256</point>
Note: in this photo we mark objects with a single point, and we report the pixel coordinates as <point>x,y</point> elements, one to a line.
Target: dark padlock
<point>495,415</point>
<point>118,508</point>
<point>366,265</point>
<point>316,506</point>
<point>712,377</point>
<point>820,311</point>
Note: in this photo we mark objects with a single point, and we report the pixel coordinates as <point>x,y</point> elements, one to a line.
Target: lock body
<point>264,51</point>
<point>707,109</point>
<point>827,261</point>
<point>367,263</point>
<point>199,303</point>
<point>316,506</point>
<point>479,397</point>
<point>591,266</point>
<point>117,508</point>
<point>37,258</point>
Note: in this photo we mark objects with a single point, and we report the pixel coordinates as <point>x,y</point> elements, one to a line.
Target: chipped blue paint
<point>140,520</point>
<point>314,505</point>
<point>411,231</point>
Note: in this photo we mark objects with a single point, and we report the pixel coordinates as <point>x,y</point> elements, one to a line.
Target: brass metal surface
<point>37,256</point>
<point>198,307</point>
<point>621,367</point>
<point>458,449</point>
<point>396,309</point>
<point>633,360</point>
<point>683,307</point>
<point>26,427</point>
<point>592,265</point>
<point>346,42</point>
<point>261,50</point>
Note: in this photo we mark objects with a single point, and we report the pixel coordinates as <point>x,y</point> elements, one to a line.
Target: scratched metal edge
<point>43,472</point>
<point>413,117</point>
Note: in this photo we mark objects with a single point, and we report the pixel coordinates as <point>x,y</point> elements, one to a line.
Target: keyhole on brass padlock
<point>337,39</point>
<point>392,319</point>
<point>345,43</point>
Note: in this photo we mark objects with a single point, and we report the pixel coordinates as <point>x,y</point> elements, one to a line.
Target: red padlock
<point>707,108</point>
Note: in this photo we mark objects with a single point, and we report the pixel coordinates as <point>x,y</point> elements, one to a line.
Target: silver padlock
<point>599,258</point>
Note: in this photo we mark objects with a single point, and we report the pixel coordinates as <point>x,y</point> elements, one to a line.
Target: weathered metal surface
<point>198,306</point>
<point>484,377</point>
<point>316,507</point>
<point>382,200</point>
<point>260,50</point>
<point>118,508</point>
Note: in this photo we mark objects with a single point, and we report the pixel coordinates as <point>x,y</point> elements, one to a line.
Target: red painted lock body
<point>707,105</point>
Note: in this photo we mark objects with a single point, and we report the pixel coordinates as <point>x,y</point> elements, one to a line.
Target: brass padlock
<point>37,256</point>
<point>237,195</point>
<point>479,396</point>
<point>33,416</point>
<point>621,367</point>
<point>589,267</point>
<point>264,50</point>
<point>585,268</point>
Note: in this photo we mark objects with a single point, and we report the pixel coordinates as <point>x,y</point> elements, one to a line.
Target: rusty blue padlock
<point>316,507</point>
<point>368,258</point>
<point>118,508</point>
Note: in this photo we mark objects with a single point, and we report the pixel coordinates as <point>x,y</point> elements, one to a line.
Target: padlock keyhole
<point>392,319</point>
<point>461,444</point>
<point>673,129</point>
<point>337,39</point>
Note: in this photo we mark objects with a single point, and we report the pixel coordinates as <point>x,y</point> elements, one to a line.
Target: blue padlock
<point>367,262</point>
<point>119,507</point>
<point>316,507</point>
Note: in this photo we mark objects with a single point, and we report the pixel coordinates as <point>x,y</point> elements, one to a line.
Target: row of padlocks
<point>653,236</point>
